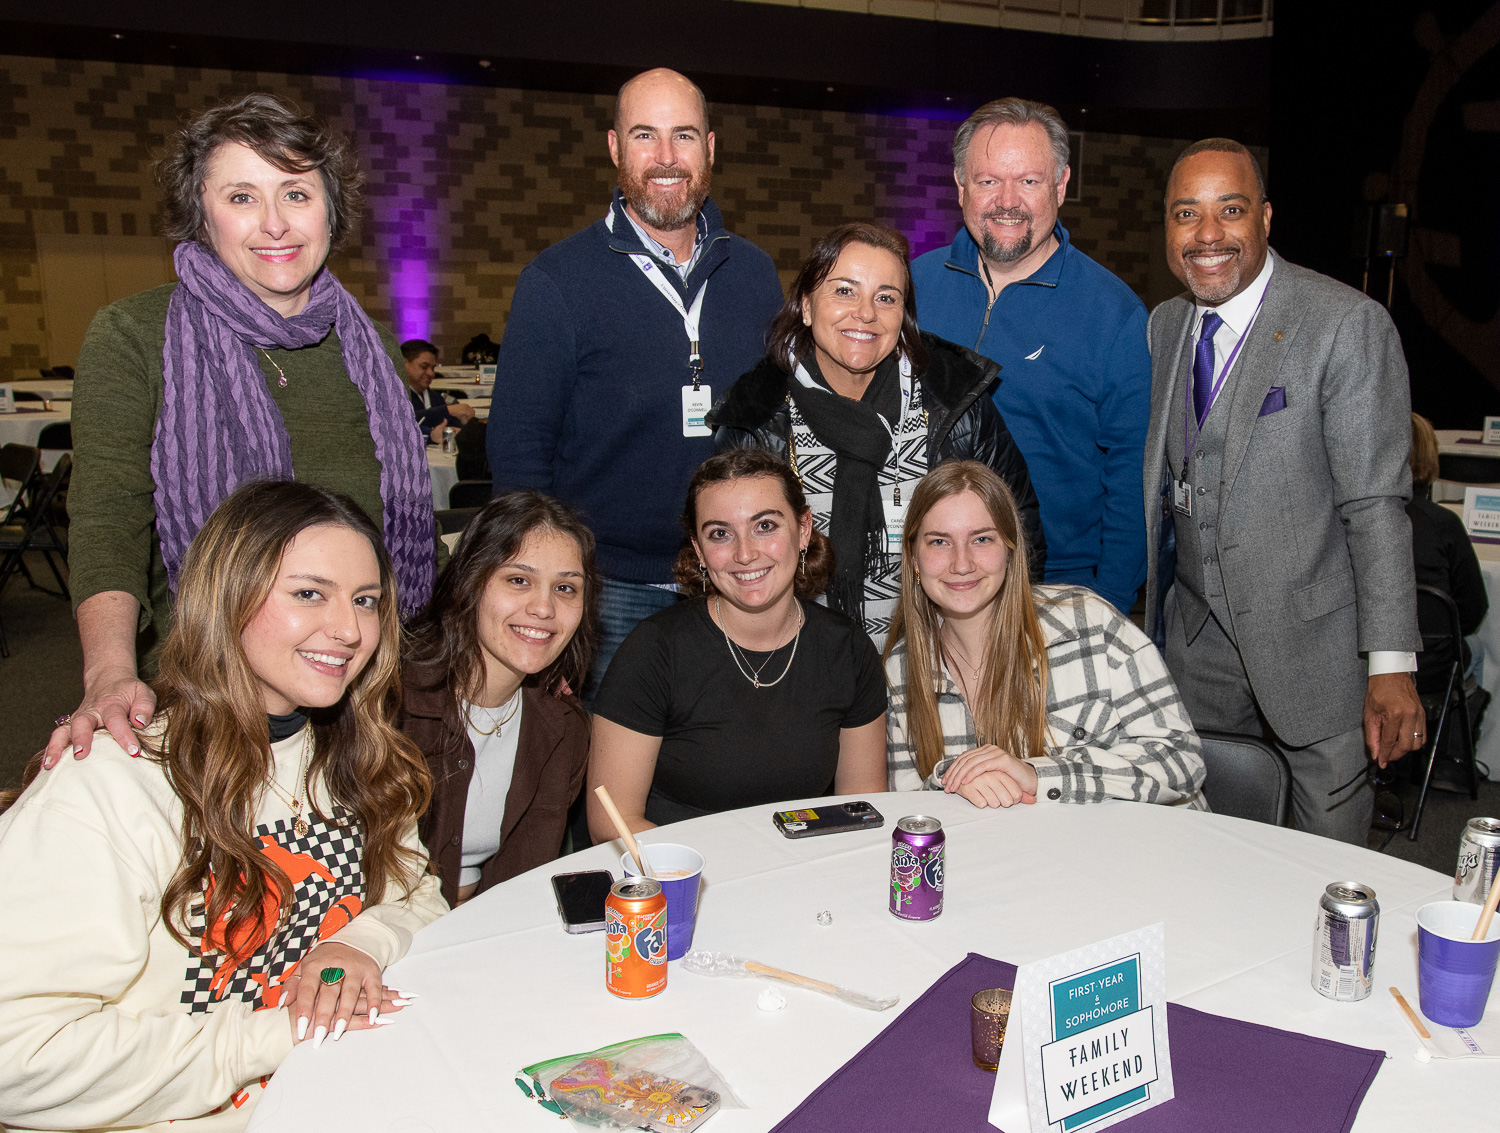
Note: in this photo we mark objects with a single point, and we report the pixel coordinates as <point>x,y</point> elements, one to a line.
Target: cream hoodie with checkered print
<point>106,1021</point>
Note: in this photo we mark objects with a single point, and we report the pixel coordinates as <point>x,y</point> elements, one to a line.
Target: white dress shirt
<point>1238,313</point>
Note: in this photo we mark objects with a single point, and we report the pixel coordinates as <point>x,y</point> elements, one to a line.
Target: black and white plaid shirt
<point>1117,728</point>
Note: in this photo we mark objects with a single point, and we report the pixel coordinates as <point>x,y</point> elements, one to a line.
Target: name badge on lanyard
<point>1182,497</point>
<point>895,521</point>
<point>697,398</point>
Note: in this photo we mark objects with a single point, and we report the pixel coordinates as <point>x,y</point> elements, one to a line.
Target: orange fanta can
<point>635,938</point>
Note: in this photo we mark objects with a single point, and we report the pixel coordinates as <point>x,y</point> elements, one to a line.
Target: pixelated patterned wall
<point>466,184</point>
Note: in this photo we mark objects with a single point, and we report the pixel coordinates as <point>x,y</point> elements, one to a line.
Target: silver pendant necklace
<point>753,675</point>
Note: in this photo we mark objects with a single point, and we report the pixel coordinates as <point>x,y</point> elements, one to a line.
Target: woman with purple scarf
<point>257,365</point>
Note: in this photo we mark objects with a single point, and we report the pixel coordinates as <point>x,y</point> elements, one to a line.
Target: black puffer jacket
<point>962,423</point>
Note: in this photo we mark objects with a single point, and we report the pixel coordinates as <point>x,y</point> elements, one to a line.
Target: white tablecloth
<point>443,467</point>
<point>503,986</point>
<point>1458,442</point>
<point>23,427</point>
<point>54,389</point>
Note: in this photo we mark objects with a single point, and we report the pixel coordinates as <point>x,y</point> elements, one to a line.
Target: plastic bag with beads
<point>662,1083</point>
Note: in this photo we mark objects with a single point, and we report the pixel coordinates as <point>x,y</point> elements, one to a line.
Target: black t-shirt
<point>724,743</point>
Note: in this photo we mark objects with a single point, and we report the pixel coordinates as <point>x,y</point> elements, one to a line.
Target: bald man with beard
<point>619,339</point>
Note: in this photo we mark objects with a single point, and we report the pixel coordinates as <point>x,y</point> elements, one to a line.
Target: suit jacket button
<point>1054,794</point>
<point>1078,734</point>
<point>1202,527</point>
<point>463,764</point>
<point>458,839</point>
<point>1203,491</point>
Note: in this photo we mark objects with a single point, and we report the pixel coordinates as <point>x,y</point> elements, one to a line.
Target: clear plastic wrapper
<point>737,967</point>
<point>662,1083</point>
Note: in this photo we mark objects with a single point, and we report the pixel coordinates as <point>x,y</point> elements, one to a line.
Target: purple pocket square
<point>1274,402</point>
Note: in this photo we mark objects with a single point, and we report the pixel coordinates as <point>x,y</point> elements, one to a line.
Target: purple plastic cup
<point>1454,973</point>
<point>679,869</point>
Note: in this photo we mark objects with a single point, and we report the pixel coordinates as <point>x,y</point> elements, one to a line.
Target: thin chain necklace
<point>280,373</point>
<point>753,676</point>
<point>299,824</point>
<point>514,703</point>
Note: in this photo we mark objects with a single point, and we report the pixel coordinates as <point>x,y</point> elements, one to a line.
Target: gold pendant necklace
<point>280,373</point>
<point>515,706</point>
<point>299,824</point>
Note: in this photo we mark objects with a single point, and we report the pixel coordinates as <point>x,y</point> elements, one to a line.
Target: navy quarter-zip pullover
<point>1075,390</point>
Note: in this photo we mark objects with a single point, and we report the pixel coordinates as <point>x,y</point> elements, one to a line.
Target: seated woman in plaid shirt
<point>1008,693</point>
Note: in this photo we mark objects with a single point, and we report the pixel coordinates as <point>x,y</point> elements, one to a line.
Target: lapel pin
<point>1277,337</point>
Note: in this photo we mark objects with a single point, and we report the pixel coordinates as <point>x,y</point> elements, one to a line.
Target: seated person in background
<point>1007,693</point>
<point>432,409</point>
<point>1444,557</point>
<point>175,922</point>
<point>487,690</point>
<point>480,351</point>
<point>750,693</point>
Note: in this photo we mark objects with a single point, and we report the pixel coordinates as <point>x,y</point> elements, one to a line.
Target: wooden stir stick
<point>790,977</point>
<point>1489,909</point>
<point>624,831</point>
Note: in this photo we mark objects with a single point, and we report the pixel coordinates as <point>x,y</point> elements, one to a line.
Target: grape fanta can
<point>635,938</point>
<point>917,868</point>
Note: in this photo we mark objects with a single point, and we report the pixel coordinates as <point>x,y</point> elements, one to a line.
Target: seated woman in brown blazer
<point>488,691</point>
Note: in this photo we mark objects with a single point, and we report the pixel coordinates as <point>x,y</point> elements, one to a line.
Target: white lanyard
<point>690,315</point>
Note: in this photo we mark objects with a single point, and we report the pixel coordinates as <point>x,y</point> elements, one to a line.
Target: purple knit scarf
<point>219,427</point>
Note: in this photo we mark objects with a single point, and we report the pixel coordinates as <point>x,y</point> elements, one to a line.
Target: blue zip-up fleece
<point>588,398</point>
<point>1075,389</point>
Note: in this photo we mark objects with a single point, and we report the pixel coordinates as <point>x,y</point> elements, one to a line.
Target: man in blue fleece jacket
<point>1070,337</point>
<point>609,330</point>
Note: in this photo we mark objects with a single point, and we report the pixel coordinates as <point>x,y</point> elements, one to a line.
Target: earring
<point>807,322</point>
<point>918,573</point>
<point>702,573</point>
<point>802,561</point>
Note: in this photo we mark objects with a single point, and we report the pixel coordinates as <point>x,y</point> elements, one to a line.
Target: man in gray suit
<point>1277,459</point>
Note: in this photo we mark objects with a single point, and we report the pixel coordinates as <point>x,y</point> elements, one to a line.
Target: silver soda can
<point>1478,854</point>
<point>450,439</point>
<point>1343,964</point>
<point>917,868</point>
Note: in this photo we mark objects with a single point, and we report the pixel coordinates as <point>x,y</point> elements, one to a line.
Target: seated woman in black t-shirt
<point>749,693</point>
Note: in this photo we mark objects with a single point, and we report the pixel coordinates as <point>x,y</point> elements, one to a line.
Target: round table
<point>51,389</point>
<point>24,426</point>
<point>443,468</point>
<point>501,984</point>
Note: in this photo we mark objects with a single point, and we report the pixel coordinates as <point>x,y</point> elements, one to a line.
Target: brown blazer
<point>551,757</point>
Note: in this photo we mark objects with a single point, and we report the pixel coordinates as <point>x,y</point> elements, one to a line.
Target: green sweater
<point>116,399</point>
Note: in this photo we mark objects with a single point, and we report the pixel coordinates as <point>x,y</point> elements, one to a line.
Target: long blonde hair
<point>1010,709</point>
<point>215,747</point>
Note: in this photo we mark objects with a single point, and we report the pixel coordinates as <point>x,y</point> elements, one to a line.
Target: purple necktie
<point>1203,366</point>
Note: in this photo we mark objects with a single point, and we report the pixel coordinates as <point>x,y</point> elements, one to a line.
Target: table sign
<point>7,399</point>
<point>487,374</point>
<point>1482,511</point>
<point>1086,1045</point>
<point>1491,431</point>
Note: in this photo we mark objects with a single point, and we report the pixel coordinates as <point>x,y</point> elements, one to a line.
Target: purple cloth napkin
<point>1230,1076</point>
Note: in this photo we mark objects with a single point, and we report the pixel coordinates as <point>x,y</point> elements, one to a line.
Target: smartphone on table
<point>828,819</point>
<point>581,897</point>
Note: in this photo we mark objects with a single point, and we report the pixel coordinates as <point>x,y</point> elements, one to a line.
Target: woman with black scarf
<point>862,404</point>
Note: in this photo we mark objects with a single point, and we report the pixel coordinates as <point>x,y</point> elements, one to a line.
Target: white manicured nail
<point>301,1027</point>
<point>400,1002</point>
<point>319,1035</point>
<point>409,995</point>
<point>338,1030</point>
<point>385,1020</point>
<point>374,1015</point>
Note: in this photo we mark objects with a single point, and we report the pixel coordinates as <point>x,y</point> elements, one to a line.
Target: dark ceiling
<point>745,53</point>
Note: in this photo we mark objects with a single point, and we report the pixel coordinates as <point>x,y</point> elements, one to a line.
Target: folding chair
<point>1437,617</point>
<point>30,526</point>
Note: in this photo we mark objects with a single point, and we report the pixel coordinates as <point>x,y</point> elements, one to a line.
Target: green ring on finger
<point>331,976</point>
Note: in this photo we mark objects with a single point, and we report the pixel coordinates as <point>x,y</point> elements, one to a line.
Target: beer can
<point>635,938</point>
<point>1478,853</point>
<point>917,868</point>
<point>1343,966</point>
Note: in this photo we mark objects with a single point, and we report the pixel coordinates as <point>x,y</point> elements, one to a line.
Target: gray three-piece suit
<point>1297,556</point>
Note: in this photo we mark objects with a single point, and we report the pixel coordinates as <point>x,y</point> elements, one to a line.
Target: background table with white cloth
<point>24,426</point>
<point>443,468</point>
<point>51,389</point>
<point>501,985</point>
